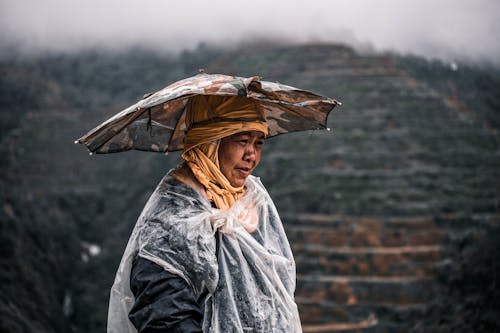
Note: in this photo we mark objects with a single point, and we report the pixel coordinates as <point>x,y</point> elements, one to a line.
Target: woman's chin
<point>238,182</point>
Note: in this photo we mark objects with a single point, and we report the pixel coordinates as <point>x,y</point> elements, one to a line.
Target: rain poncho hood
<point>246,283</point>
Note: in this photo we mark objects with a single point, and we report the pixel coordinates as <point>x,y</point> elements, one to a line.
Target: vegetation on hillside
<point>413,137</point>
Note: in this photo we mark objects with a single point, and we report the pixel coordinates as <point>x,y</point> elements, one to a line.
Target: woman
<point>209,253</point>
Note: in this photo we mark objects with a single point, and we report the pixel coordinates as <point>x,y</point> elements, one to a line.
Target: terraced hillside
<point>393,215</point>
<point>376,209</point>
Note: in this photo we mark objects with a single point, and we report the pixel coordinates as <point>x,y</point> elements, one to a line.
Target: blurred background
<point>393,215</point>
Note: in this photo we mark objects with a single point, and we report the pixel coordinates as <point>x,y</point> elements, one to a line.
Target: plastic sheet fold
<point>246,283</point>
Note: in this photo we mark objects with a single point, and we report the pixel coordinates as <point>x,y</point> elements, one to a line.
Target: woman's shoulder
<point>254,183</point>
<point>257,192</point>
<point>171,185</point>
<point>171,195</point>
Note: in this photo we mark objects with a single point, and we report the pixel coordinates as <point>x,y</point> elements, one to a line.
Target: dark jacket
<point>164,302</point>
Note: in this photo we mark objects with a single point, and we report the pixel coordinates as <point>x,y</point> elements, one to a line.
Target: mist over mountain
<point>393,215</point>
<point>463,31</point>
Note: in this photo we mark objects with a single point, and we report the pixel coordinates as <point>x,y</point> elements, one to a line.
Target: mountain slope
<point>386,212</point>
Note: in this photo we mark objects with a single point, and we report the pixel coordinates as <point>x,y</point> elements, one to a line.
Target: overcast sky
<point>448,29</point>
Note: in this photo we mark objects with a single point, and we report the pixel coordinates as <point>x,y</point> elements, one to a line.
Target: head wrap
<point>209,119</point>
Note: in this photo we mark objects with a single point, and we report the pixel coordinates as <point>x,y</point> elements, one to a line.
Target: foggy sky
<point>453,30</point>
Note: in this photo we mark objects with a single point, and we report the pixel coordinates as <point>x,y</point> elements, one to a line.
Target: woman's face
<point>239,154</point>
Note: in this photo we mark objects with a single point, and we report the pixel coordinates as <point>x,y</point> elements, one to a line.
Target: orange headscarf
<point>209,119</point>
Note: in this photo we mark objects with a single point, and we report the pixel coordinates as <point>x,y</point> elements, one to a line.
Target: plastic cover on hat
<point>246,285</point>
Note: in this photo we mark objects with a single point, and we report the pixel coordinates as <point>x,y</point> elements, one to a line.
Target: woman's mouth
<point>244,171</point>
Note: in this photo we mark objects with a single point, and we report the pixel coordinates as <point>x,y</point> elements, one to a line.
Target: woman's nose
<point>249,153</point>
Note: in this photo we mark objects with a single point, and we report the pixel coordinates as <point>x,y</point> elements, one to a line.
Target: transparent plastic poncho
<point>246,285</point>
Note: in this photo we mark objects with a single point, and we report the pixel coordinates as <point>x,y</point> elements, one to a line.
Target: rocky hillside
<point>393,215</point>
